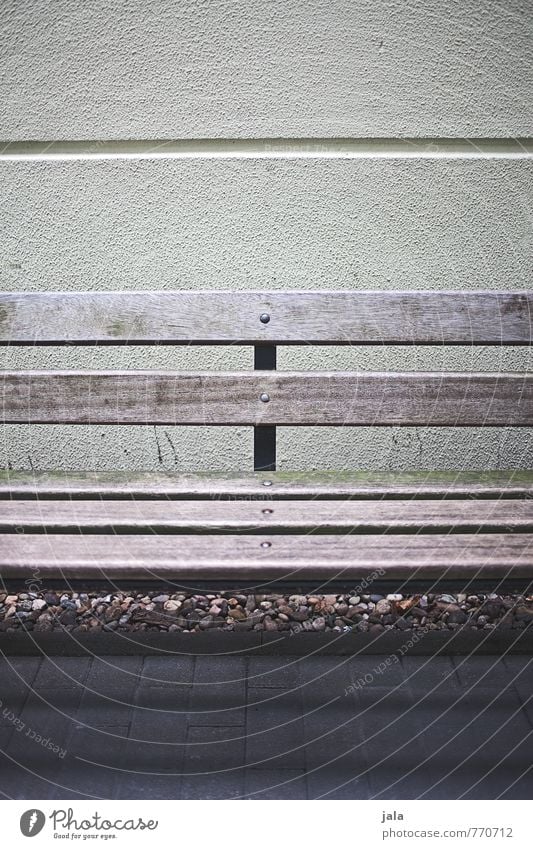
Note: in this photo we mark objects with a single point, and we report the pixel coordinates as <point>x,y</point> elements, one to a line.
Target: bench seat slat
<point>214,486</point>
<point>419,317</point>
<point>260,517</point>
<point>295,398</point>
<point>289,557</point>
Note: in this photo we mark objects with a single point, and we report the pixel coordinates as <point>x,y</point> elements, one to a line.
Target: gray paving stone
<point>213,787</point>
<point>168,672</point>
<point>394,750</point>
<point>337,782</point>
<point>39,745</point>
<point>213,750</point>
<point>219,692</point>
<point>160,700</point>
<point>99,710</point>
<point>279,672</point>
<point>335,749</point>
<point>466,742</point>
<point>44,729</point>
<point>88,770</point>
<point>214,764</point>
<point>136,786</point>
<point>217,705</point>
<point>425,673</point>
<point>156,742</point>
<point>220,670</point>
<point>497,783</point>
<point>337,755</point>
<point>62,672</point>
<point>25,782</point>
<point>519,786</point>
<point>114,673</point>
<point>16,676</point>
<point>377,670</point>
<point>520,668</point>
<point>164,718</point>
<point>486,671</point>
<point>325,674</point>
<point>275,729</point>
<point>275,784</point>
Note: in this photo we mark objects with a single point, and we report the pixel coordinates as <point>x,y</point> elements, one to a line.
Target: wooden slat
<point>214,486</point>
<point>243,558</point>
<point>482,317</point>
<point>296,398</point>
<point>258,517</point>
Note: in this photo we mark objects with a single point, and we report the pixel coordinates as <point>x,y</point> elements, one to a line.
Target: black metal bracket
<point>265,435</point>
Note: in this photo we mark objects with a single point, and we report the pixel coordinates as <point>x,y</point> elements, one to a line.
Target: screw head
<point>264,397</point>
<point>266,544</point>
<point>267,483</point>
<point>267,511</point>
<point>264,318</point>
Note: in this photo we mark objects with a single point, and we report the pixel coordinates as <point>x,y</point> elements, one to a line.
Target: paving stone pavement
<point>231,727</point>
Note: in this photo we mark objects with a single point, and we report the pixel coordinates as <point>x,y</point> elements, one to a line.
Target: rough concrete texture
<point>308,68</point>
<point>258,224</point>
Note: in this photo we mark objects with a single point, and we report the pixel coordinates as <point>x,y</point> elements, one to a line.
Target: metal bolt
<point>267,511</point>
<point>267,483</point>
<point>266,544</point>
<point>264,397</point>
<point>264,318</point>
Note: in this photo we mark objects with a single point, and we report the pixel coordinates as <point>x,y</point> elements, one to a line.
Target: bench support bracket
<point>264,435</point>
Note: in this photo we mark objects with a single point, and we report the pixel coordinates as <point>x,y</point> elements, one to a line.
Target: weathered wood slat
<point>275,486</point>
<point>264,398</point>
<point>259,517</point>
<point>243,558</point>
<point>480,317</point>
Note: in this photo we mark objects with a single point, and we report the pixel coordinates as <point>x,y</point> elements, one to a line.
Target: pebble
<point>262,612</point>
<point>172,605</point>
<point>237,613</point>
<point>523,614</point>
<point>457,617</point>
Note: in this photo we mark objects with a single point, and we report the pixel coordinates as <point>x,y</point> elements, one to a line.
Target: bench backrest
<point>265,398</point>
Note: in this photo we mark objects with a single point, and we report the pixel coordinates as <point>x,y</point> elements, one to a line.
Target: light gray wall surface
<point>130,69</point>
<point>97,71</point>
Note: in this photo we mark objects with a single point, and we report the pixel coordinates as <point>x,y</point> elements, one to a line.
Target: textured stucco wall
<point>98,71</point>
<point>193,68</point>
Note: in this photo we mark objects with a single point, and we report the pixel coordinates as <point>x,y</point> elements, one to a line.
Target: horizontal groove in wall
<point>297,148</point>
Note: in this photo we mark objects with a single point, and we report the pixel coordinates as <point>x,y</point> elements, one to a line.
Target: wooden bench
<point>265,525</point>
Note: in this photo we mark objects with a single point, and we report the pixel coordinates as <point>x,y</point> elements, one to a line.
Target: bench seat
<point>271,484</point>
<point>262,527</point>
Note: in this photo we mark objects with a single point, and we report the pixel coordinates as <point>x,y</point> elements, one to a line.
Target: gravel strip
<point>229,611</point>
